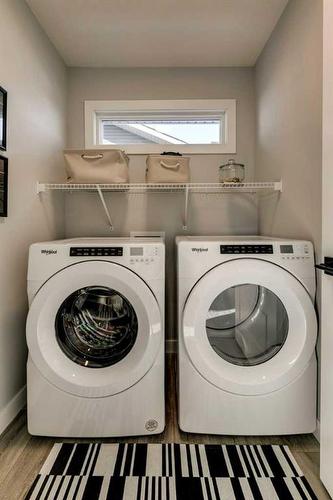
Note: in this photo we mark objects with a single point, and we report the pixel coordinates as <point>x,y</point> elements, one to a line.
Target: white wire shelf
<point>192,187</point>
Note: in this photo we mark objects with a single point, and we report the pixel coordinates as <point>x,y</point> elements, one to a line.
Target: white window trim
<point>217,107</point>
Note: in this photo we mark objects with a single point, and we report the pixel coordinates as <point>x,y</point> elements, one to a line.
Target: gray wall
<point>289,124</point>
<point>289,114</point>
<point>35,79</point>
<point>213,214</point>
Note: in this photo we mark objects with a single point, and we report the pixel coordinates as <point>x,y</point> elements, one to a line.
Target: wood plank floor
<point>22,455</point>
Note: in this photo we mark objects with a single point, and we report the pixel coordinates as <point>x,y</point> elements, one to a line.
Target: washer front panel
<point>53,362</point>
<point>296,347</point>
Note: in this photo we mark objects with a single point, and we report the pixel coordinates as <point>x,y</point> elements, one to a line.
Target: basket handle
<point>92,157</point>
<point>173,167</point>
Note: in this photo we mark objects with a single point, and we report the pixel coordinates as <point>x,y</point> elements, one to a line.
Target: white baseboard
<point>317,431</point>
<point>9,412</point>
<point>171,346</point>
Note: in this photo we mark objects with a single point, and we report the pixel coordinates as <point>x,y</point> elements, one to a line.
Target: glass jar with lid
<point>232,172</point>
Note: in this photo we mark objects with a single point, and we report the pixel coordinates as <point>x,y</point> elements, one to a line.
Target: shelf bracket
<point>278,186</point>
<point>106,210</point>
<point>187,192</point>
<point>40,188</point>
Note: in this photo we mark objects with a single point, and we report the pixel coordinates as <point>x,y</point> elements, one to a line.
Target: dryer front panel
<point>94,329</point>
<point>249,327</point>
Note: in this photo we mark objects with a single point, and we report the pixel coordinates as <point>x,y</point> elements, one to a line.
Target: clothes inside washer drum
<point>96,326</point>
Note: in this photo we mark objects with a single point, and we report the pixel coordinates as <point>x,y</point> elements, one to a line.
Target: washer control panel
<point>143,255</point>
<point>96,251</point>
<point>246,249</point>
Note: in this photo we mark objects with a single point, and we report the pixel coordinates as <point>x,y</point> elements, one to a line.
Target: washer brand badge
<point>199,249</point>
<point>151,425</point>
<point>49,252</point>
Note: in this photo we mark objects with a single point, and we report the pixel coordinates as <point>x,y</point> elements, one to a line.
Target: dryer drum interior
<point>247,324</point>
<point>96,326</point>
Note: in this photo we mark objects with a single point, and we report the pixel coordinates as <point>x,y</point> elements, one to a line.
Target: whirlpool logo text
<point>199,249</point>
<point>49,252</point>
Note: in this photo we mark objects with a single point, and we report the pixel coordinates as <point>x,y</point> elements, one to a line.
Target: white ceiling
<point>158,33</point>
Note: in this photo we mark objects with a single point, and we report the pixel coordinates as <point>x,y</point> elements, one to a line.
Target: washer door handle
<point>327,266</point>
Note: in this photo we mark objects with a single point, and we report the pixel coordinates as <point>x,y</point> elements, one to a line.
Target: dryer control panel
<point>286,250</point>
<point>246,249</point>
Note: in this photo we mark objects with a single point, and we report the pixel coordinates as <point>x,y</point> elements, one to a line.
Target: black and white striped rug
<point>95,471</point>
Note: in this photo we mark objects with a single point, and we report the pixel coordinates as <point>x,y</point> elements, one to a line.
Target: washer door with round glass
<point>94,329</point>
<point>249,327</point>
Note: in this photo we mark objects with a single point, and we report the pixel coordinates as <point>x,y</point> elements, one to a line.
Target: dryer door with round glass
<point>249,327</point>
<point>94,329</point>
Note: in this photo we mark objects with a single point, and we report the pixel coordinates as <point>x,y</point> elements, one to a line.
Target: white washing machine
<point>95,334</point>
<point>247,336</point>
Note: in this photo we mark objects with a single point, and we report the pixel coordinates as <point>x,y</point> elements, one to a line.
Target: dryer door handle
<point>327,266</point>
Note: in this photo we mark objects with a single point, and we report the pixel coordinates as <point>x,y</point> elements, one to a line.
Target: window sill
<point>188,149</point>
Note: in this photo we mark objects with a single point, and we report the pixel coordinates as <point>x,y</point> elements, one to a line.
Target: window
<point>189,126</point>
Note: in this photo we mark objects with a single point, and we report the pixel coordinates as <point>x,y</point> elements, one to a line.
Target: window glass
<point>161,131</point>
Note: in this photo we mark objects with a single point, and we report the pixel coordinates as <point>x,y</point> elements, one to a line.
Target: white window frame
<point>216,108</point>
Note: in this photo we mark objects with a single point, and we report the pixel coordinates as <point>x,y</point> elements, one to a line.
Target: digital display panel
<point>96,251</point>
<point>246,249</point>
<point>136,251</point>
<point>286,249</point>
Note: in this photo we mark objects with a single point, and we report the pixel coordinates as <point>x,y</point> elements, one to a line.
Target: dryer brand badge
<point>48,251</point>
<point>199,249</point>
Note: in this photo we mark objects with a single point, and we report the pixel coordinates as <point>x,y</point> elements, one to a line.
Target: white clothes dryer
<point>247,336</point>
<point>95,334</point>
